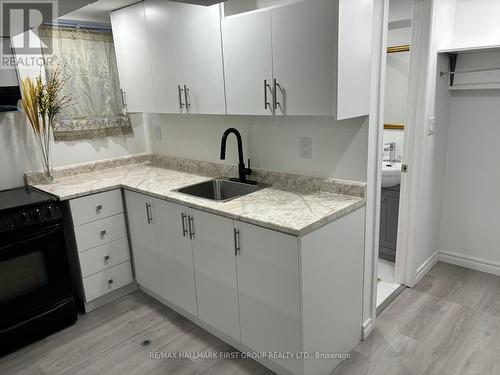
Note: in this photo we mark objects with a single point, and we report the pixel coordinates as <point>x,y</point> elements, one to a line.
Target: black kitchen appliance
<point>36,296</point>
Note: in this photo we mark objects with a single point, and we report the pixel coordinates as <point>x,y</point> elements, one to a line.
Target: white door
<point>269,290</point>
<point>175,255</point>
<point>215,270</point>
<point>201,51</point>
<point>133,59</point>
<point>248,62</point>
<point>304,58</point>
<point>145,256</point>
<point>162,20</point>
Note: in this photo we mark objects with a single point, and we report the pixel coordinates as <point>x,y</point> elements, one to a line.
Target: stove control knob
<point>25,217</point>
<point>49,211</point>
<point>37,214</point>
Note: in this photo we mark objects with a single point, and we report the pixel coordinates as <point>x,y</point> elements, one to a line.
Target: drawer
<point>108,280</point>
<point>95,207</point>
<point>104,257</point>
<point>100,232</point>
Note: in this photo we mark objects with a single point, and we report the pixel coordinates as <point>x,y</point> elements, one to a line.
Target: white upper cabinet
<point>318,51</point>
<point>186,57</point>
<point>354,58</point>
<point>201,52</point>
<point>304,61</point>
<point>162,21</point>
<point>133,59</point>
<point>248,63</point>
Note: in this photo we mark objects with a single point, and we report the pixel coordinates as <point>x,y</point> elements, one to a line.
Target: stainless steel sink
<point>220,189</point>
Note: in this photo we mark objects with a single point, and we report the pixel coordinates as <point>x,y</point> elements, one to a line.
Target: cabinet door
<point>354,58</point>
<point>247,63</point>
<point>163,28</point>
<point>215,270</point>
<point>304,58</point>
<point>201,52</point>
<point>132,57</point>
<point>268,285</point>
<point>175,255</point>
<point>145,256</point>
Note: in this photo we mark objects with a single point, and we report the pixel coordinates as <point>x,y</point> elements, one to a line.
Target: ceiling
<point>98,11</point>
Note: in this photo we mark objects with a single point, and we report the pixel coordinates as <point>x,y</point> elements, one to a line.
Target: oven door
<point>34,274</point>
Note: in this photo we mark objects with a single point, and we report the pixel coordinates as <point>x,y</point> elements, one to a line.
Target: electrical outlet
<point>306,148</point>
<point>158,133</point>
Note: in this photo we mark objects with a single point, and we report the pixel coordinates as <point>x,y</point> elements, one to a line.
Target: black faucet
<point>243,171</point>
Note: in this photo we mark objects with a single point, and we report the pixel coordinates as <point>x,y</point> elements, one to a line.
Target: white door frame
<point>406,269</point>
<point>374,163</point>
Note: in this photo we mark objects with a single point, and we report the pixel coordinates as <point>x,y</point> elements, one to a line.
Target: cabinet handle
<point>98,209</point>
<point>236,241</point>
<point>181,104</point>
<point>124,101</point>
<point>148,213</point>
<point>191,227</point>
<point>383,199</point>
<point>184,229</point>
<point>266,101</point>
<point>186,92</point>
<point>107,258</point>
<point>103,233</point>
<point>110,281</point>
<point>276,85</point>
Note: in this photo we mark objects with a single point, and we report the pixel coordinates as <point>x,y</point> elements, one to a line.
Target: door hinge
<point>404,168</point>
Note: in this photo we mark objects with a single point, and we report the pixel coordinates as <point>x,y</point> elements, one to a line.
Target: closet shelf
<point>475,49</point>
<point>467,71</point>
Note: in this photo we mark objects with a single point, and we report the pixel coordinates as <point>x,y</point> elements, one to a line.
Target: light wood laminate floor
<point>448,324</point>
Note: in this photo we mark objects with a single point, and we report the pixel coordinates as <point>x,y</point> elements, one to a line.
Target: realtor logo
<point>18,16</point>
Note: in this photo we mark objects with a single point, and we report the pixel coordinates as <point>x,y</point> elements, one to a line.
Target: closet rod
<point>463,71</point>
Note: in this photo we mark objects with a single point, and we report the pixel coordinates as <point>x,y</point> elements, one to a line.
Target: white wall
<point>469,219</point>
<point>476,23</point>
<point>17,154</point>
<point>471,206</point>
<point>339,147</point>
<point>424,182</point>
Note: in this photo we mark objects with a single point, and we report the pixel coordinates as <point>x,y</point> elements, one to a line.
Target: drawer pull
<point>107,258</point>
<point>103,233</point>
<point>110,281</point>
<point>98,209</point>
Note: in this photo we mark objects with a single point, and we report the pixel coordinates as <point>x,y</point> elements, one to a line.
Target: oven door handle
<point>36,234</point>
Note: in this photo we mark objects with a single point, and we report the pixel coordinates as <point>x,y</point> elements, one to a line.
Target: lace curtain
<point>89,63</point>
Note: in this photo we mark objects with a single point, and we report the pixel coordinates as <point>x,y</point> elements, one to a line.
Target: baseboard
<point>426,267</point>
<point>367,328</point>
<point>473,263</point>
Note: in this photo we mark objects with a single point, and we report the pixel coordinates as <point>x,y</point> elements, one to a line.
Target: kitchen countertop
<point>293,212</point>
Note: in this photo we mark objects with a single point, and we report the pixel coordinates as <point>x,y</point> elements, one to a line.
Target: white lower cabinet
<point>268,284</point>
<point>215,270</point>
<point>256,288</point>
<point>175,255</point>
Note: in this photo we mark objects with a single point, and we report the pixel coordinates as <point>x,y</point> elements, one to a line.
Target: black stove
<point>24,207</point>
<point>36,296</point>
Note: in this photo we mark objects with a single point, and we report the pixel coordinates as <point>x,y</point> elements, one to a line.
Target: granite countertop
<point>292,212</point>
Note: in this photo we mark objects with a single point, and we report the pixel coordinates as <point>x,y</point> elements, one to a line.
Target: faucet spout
<point>243,171</point>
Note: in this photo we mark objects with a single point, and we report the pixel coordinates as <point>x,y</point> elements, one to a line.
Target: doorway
<point>399,34</point>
